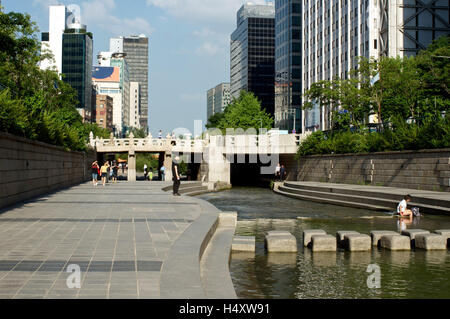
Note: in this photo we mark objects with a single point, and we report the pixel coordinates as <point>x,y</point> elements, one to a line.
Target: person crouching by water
<point>176,176</point>
<point>402,208</point>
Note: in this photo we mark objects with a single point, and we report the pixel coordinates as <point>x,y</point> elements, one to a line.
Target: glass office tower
<point>252,65</point>
<point>77,65</point>
<point>288,65</point>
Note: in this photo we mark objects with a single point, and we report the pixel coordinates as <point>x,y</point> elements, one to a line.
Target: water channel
<point>415,274</point>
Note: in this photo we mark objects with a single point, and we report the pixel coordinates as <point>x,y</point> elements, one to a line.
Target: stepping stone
<point>307,234</point>
<point>445,233</point>
<point>323,243</point>
<point>412,233</point>
<point>281,242</point>
<point>358,242</point>
<point>243,243</point>
<point>340,236</point>
<point>431,242</point>
<point>228,219</point>
<point>395,242</point>
<point>377,234</point>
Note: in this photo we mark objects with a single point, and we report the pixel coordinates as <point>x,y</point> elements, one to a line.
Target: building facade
<point>288,65</point>
<point>252,54</point>
<point>218,98</point>
<point>136,50</point>
<point>104,111</point>
<point>77,46</point>
<point>135,100</point>
<point>106,81</point>
<point>337,32</point>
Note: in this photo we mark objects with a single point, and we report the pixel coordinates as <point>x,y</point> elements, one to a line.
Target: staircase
<point>379,199</point>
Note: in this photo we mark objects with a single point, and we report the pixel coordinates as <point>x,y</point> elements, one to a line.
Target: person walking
<point>176,176</point>
<point>163,173</point>
<point>115,171</point>
<point>282,173</point>
<point>145,171</point>
<point>104,172</point>
<point>150,174</point>
<point>277,171</point>
<point>95,170</point>
<point>108,172</point>
<point>160,134</point>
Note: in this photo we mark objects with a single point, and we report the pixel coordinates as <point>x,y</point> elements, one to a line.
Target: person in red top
<point>95,173</point>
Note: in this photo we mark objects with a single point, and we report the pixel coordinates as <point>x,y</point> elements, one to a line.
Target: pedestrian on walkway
<point>176,176</point>
<point>150,174</point>
<point>104,172</point>
<point>115,171</point>
<point>277,172</point>
<point>282,173</point>
<point>163,173</point>
<point>108,172</point>
<point>160,134</point>
<point>145,171</point>
<point>95,170</point>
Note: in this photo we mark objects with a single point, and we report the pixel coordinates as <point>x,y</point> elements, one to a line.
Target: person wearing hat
<point>176,176</point>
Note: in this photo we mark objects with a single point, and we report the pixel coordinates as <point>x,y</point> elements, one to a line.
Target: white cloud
<point>204,33</point>
<point>100,13</point>
<point>207,49</point>
<point>210,11</point>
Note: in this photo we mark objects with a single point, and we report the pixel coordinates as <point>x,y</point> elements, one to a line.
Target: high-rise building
<point>335,33</point>
<point>288,64</point>
<point>71,46</point>
<point>136,50</point>
<point>134,105</point>
<point>106,80</point>
<point>52,41</point>
<point>252,56</point>
<point>77,46</point>
<point>218,98</point>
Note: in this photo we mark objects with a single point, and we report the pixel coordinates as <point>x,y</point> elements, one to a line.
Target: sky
<point>189,47</point>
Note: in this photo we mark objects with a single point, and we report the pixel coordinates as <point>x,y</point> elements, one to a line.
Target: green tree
<point>245,113</point>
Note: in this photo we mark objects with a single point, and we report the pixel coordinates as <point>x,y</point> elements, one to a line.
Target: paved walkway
<point>119,235</point>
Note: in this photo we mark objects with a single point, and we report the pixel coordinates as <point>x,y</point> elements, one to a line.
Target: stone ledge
<point>243,244</point>
<point>431,242</point>
<point>307,234</point>
<point>395,242</point>
<point>377,234</point>
<point>323,243</point>
<point>280,242</point>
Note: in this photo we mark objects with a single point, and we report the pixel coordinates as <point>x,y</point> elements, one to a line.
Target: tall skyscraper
<point>71,46</point>
<point>77,46</point>
<point>288,64</point>
<point>252,65</point>
<point>218,98</point>
<point>136,50</point>
<point>337,32</point>
<point>52,41</point>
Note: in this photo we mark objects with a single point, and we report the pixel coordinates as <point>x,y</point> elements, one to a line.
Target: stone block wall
<point>29,168</point>
<point>424,170</point>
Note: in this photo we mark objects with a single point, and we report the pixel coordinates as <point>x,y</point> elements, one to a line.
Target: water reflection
<point>404,274</point>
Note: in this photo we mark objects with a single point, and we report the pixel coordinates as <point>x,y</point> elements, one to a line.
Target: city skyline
<point>189,47</point>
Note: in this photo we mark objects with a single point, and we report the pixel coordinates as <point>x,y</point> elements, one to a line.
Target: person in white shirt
<point>402,208</point>
<point>277,171</point>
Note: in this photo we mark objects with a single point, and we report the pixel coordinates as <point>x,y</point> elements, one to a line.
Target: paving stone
<point>243,243</point>
<point>357,242</point>
<point>431,242</point>
<point>377,234</point>
<point>277,242</point>
<point>445,233</point>
<point>340,236</point>
<point>307,234</point>
<point>395,242</point>
<point>323,243</point>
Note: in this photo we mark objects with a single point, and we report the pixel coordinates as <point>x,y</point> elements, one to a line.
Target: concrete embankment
<point>366,197</point>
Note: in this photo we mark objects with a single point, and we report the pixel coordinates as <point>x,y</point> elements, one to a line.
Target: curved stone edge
<point>181,272</point>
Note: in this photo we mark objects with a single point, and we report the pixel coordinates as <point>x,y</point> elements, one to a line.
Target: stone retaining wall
<point>29,168</point>
<point>424,170</point>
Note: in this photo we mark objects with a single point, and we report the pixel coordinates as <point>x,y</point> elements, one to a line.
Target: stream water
<point>414,274</point>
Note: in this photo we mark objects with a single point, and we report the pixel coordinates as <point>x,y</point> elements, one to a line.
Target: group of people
<point>280,173</point>
<point>148,173</point>
<point>106,172</point>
